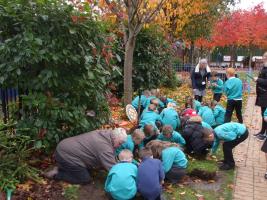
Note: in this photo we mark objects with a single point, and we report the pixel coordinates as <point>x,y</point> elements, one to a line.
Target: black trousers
<point>70,173</point>
<point>198,98</point>
<point>217,96</point>
<point>228,148</point>
<point>231,106</point>
<point>264,123</point>
<point>175,174</point>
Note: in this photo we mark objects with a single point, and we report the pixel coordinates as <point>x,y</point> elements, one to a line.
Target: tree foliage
<point>58,58</point>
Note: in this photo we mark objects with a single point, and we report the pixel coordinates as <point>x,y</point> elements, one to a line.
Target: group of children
<point>161,148</point>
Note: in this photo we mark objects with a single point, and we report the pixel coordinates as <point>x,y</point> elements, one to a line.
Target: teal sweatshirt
<point>161,104</point>
<point>207,115</point>
<point>219,113</point>
<point>173,156</point>
<point>219,88</point>
<point>176,138</point>
<point>170,117</point>
<point>142,102</point>
<point>265,113</point>
<point>197,105</point>
<point>149,116</point>
<point>121,181</point>
<point>129,144</point>
<point>233,88</point>
<point>227,132</point>
<point>206,125</point>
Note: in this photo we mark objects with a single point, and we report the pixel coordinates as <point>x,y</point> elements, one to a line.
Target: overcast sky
<point>247,4</point>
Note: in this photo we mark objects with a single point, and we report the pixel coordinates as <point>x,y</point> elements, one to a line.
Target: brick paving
<point>251,164</point>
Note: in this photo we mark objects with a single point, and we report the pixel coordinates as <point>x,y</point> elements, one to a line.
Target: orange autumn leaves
<point>240,28</point>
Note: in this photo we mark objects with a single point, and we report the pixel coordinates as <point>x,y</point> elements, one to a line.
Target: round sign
<point>131,113</point>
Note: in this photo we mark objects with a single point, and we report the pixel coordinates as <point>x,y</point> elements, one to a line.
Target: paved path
<point>250,183</point>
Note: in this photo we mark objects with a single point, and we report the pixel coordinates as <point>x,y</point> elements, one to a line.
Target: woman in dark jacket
<point>199,76</point>
<point>193,134</point>
<point>261,100</point>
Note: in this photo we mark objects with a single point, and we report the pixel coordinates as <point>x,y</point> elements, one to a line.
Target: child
<point>232,134</point>
<point>151,133</point>
<point>150,115</point>
<point>218,112</point>
<point>132,140</point>
<point>193,134</point>
<point>154,96</point>
<point>150,176</point>
<point>143,100</point>
<point>206,114</point>
<point>173,159</point>
<point>121,180</point>
<point>169,135</point>
<point>216,86</point>
<point>264,146</point>
<point>166,101</point>
<point>170,116</point>
<point>233,90</point>
<point>192,103</point>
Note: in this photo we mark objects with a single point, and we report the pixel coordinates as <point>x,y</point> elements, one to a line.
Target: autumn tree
<point>132,16</point>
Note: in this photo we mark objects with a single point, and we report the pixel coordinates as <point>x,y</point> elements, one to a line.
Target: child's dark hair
<point>145,153</point>
<point>214,74</point>
<point>213,103</point>
<point>189,102</point>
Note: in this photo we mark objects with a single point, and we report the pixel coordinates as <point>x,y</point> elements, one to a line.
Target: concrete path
<point>250,183</point>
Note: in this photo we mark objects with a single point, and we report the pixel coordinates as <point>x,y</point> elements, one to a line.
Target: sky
<point>247,4</point>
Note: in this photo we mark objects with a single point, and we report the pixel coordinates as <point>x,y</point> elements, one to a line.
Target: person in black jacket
<point>261,100</point>
<point>194,134</point>
<point>200,75</point>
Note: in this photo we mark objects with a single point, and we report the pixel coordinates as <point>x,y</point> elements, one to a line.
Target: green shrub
<point>15,152</point>
<point>60,59</point>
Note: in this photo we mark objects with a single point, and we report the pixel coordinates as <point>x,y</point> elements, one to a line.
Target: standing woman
<point>261,100</point>
<point>199,76</point>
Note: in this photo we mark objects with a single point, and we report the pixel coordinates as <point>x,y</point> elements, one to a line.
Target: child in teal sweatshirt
<point>231,134</point>
<point>218,112</point>
<point>150,115</point>
<point>133,140</point>
<point>143,100</point>
<point>169,135</point>
<point>170,116</point>
<point>173,159</point>
<point>216,86</point>
<point>121,179</point>
<point>233,90</point>
<point>206,114</point>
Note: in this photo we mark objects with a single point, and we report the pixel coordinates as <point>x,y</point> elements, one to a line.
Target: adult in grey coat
<point>75,156</point>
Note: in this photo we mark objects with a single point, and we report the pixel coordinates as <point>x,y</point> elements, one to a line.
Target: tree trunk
<point>128,69</point>
<point>250,61</point>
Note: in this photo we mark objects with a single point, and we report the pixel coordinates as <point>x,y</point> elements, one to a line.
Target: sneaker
<point>51,174</point>
<point>226,167</point>
<point>261,137</point>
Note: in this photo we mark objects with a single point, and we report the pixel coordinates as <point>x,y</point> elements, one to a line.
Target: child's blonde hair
<point>126,155</point>
<point>230,72</point>
<point>195,119</point>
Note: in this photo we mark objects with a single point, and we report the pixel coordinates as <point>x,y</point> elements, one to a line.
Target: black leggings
<point>264,123</point>
<point>228,148</point>
<point>198,98</point>
<point>175,174</point>
<point>231,106</point>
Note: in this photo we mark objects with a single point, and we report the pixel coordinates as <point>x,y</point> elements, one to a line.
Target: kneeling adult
<point>75,156</point>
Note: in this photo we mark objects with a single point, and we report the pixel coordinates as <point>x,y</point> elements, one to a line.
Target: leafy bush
<point>58,58</point>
